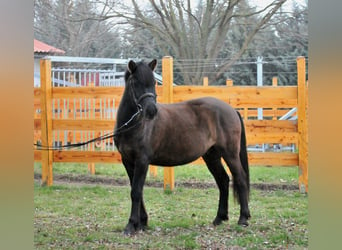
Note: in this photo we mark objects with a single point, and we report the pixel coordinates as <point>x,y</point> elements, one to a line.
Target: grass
<point>274,175</point>
<point>85,217</point>
<point>82,216</point>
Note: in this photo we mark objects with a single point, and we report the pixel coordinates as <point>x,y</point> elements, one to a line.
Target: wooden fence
<point>74,114</point>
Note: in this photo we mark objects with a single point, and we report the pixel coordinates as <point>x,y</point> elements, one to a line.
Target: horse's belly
<point>172,161</point>
<point>179,153</point>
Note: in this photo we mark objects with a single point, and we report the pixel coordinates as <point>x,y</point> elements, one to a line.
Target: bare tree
<point>196,32</point>
<point>74,26</point>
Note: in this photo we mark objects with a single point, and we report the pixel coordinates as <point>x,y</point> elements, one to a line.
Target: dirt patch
<point>101,180</point>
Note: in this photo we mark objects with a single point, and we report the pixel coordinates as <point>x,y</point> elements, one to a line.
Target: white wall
<point>36,72</point>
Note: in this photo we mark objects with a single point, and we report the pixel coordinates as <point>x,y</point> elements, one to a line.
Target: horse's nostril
<point>150,110</point>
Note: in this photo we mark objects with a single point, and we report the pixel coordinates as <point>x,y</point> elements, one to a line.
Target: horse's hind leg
<point>213,161</point>
<point>240,185</point>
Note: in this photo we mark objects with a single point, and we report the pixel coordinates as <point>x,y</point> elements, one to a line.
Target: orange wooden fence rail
<point>82,118</point>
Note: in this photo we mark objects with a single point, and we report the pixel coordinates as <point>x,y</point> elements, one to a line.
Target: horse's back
<point>220,113</point>
<point>205,107</point>
<point>218,104</point>
<point>200,112</point>
<point>184,131</point>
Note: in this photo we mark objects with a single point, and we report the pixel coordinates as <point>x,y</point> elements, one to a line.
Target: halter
<point>142,97</point>
<point>137,102</point>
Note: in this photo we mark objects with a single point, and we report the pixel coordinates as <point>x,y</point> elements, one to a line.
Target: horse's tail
<point>243,153</point>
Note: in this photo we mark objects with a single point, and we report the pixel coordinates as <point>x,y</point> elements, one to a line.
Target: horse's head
<point>140,82</point>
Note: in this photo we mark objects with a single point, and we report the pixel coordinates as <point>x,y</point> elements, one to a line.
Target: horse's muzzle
<point>150,110</point>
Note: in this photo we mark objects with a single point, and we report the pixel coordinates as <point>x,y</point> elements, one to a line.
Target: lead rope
<point>117,131</point>
<point>100,138</point>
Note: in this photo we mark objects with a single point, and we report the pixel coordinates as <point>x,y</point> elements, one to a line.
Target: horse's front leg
<point>130,172</point>
<point>138,217</point>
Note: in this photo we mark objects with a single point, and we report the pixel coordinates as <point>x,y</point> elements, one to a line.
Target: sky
<point>287,5</point>
<point>261,3</point>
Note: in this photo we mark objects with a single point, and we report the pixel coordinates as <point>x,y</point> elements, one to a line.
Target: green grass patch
<point>78,216</point>
<point>93,217</point>
<point>196,173</point>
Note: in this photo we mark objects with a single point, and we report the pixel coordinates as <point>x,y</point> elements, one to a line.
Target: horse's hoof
<point>141,227</point>
<point>143,223</point>
<point>218,220</point>
<point>243,222</point>
<point>129,230</point>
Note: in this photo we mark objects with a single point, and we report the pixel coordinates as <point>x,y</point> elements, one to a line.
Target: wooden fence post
<point>229,82</point>
<point>153,170</point>
<point>46,121</point>
<point>167,75</point>
<point>302,126</point>
<point>91,165</point>
<point>274,84</point>
<point>205,81</point>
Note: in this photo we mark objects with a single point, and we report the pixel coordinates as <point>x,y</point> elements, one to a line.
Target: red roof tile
<point>41,47</point>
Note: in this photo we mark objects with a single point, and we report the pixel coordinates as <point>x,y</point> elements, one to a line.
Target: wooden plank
<point>90,105</point>
<point>273,159</point>
<point>229,83</point>
<point>205,81</point>
<point>250,112</point>
<point>36,93</point>
<point>239,102</point>
<point>282,95</point>
<point>81,92</point>
<point>36,136</point>
<point>46,121</point>
<point>36,100</point>
<point>281,137</point>
<point>251,125</point>
<point>37,124</point>
<point>153,170</point>
<point>182,93</point>
<point>37,155</point>
<point>91,168</point>
<point>266,159</point>
<point>167,74</point>
<point>255,159</point>
<point>74,137</point>
<point>159,92</point>
<point>87,92</point>
<point>169,178</point>
<point>87,156</point>
<point>267,112</point>
<point>274,84</point>
<point>75,102</point>
<point>263,126</point>
<point>251,92</point>
<point>83,124</point>
<point>302,125</point>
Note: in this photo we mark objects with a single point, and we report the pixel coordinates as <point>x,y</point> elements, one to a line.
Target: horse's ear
<point>131,66</point>
<point>153,64</point>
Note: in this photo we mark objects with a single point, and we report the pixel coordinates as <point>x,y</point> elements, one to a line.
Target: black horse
<point>147,132</point>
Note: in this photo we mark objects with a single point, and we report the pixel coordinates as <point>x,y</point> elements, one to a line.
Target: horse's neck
<point>126,110</point>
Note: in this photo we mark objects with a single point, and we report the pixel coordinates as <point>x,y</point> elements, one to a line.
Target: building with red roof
<point>40,50</point>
